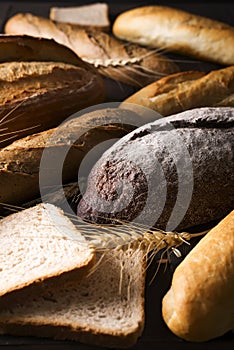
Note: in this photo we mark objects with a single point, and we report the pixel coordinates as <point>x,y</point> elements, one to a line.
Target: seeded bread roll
<point>175,30</point>
<point>199,305</point>
<point>186,90</point>
<point>174,173</point>
<point>130,64</point>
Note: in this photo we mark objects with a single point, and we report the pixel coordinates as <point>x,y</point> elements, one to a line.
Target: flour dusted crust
<point>179,31</point>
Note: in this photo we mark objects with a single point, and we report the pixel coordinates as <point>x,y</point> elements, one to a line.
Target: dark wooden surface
<point>155,335</point>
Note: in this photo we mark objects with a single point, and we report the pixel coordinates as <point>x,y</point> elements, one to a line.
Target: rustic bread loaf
<point>27,48</point>
<point>20,161</point>
<point>36,96</point>
<point>199,305</point>
<point>186,90</point>
<point>91,16</point>
<point>130,64</point>
<point>40,248</point>
<point>175,30</point>
<point>105,309</point>
<point>174,173</point>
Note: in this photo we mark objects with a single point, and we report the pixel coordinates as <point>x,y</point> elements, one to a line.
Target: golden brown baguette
<point>35,96</point>
<point>199,305</point>
<point>130,64</point>
<point>28,48</point>
<point>186,90</point>
<point>20,161</point>
<point>179,31</point>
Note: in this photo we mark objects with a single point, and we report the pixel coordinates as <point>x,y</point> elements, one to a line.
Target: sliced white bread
<point>105,309</point>
<point>40,244</point>
<point>94,15</point>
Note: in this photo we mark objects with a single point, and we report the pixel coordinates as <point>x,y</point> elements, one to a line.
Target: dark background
<point>156,335</point>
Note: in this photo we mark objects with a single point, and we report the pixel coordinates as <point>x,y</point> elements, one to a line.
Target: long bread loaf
<point>199,305</point>
<point>131,64</point>
<point>35,96</point>
<point>186,90</point>
<point>27,48</point>
<point>20,161</point>
<point>172,29</point>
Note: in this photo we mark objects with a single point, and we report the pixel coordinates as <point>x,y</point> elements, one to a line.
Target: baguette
<point>186,90</point>
<point>40,249</point>
<point>147,176</point>
<point>105,309</point>
<point>179,31</point>
<point>36,96</point>
<point>199,305</point>
<point>20,161</point>
<point>130,64</point>
<point>92,16</point>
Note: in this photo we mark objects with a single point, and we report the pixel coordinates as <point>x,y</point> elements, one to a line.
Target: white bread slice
<point>94,15</point>
<point>105,309</point>
<point>40,244</point>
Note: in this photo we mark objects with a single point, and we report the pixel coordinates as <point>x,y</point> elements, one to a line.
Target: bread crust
<point>28,48</point>
<point>60,319</point>
<point>179,31</point>
<point>130,64</point>
<point>186,90</point>
<point>20,161</point>
<point>35,283</point>
<point>36,96</point>
<point>199,304</point>
<point>133,164</point>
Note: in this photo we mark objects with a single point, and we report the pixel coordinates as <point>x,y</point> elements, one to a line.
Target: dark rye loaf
<point>126,180</point>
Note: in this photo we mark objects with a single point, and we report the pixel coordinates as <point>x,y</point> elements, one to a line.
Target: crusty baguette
<point>130,64</point>
<point>153,171</point>
<point>172,29</point>
<point>105,309</point>
<point>40,249</point>
<point>28,48</point>
<point>20,161</point>
<point>186,90</point>
<point>199,305</point>
<point>91,16</point>
<point>35,96</point>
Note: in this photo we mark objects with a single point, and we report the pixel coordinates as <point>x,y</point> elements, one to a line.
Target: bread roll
<point>36,96</point>
<point>174,173</point>
<point>179,31</point>
<point>186,90</point>
<point>130,64</point>
<point>199,305</point>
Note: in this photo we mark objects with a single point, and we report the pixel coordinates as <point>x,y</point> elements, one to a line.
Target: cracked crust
<point>186,90</point>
